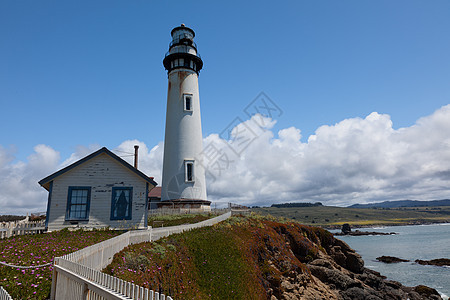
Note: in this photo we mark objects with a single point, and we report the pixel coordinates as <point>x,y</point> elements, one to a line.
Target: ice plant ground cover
<point>32,250</point>
<point>229,260</point>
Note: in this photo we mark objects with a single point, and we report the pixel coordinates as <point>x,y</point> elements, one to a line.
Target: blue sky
<point>81,73</point>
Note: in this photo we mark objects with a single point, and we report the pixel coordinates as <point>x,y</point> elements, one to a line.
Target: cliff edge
<point>257,258</point>
<point>332,270</point>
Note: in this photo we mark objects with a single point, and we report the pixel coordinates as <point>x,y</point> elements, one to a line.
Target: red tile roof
<point>155,192</point>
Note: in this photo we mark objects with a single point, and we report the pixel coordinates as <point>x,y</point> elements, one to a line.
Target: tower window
<point>189,170</point>
<point>187,102</point>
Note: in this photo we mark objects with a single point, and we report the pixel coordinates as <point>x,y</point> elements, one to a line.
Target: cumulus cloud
<point>80,152</point>
<point>354,161</point>
<point>357,160</point>
<point>20,192</point>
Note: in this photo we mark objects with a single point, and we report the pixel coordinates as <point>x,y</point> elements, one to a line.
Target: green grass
<point>330,216</point>
<point>174,220</point>
<point>206,263</point>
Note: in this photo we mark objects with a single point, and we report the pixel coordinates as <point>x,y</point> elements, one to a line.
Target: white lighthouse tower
<point>183,181</point>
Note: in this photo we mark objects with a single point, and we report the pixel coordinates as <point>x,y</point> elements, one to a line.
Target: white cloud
<point>20,191</point>
<point>80,152</point>
<point>354,161</point>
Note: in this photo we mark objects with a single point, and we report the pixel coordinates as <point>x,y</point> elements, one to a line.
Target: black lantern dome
<point>182,52</point>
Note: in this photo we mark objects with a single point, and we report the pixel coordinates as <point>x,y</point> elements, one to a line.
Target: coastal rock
<point>357,293</point>
<point>435,262</point>
<point>361,233</point>
<point>355,263</point>
<point>391,259</point>
<point>271,260</point>
<point>333,276</point>
<point>427,292</point>
<point>309,263</point>
<point>346,229</point>
<point>346,256</point>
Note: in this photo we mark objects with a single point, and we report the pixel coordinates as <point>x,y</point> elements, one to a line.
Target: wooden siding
<point>101,173</point>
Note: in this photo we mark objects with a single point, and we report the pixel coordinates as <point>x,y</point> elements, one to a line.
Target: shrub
<point>158,249</point>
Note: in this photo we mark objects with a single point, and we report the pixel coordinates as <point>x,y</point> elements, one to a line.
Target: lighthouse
<point>183,176</point>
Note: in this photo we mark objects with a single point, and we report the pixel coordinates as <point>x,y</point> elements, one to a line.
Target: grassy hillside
<point>404,203</point>
<point>230,260</point>
<point>330,216</point>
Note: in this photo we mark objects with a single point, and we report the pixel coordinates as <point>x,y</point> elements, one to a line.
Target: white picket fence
<point>4,294</point>
<point>75,281</point>
<point>78,275</point>
<point>8,229</point>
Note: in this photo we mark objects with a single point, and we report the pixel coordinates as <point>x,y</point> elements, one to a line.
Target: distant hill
<point>299,204</point>
<point>404,203</point>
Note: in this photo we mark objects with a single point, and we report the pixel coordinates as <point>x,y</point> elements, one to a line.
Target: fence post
<point>10,230</point>
<point>54,279</point>
<point>85,291</point>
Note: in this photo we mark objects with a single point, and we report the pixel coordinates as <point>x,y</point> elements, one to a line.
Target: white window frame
<point>187,163</point>
<point>185,99</point>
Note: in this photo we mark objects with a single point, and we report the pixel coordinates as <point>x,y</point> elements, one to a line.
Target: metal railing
<point>185,211</point>
<point>183,49</point>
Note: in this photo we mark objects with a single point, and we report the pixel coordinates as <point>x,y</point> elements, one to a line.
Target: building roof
<point>46,181</point>
<point>155,192</point>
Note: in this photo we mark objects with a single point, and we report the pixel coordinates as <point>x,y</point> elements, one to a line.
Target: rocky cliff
<point>332,270</point>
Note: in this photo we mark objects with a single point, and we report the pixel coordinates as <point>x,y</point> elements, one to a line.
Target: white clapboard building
<point>99,190</point>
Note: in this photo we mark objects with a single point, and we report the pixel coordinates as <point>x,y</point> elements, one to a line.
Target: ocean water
<point>411,242</point>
